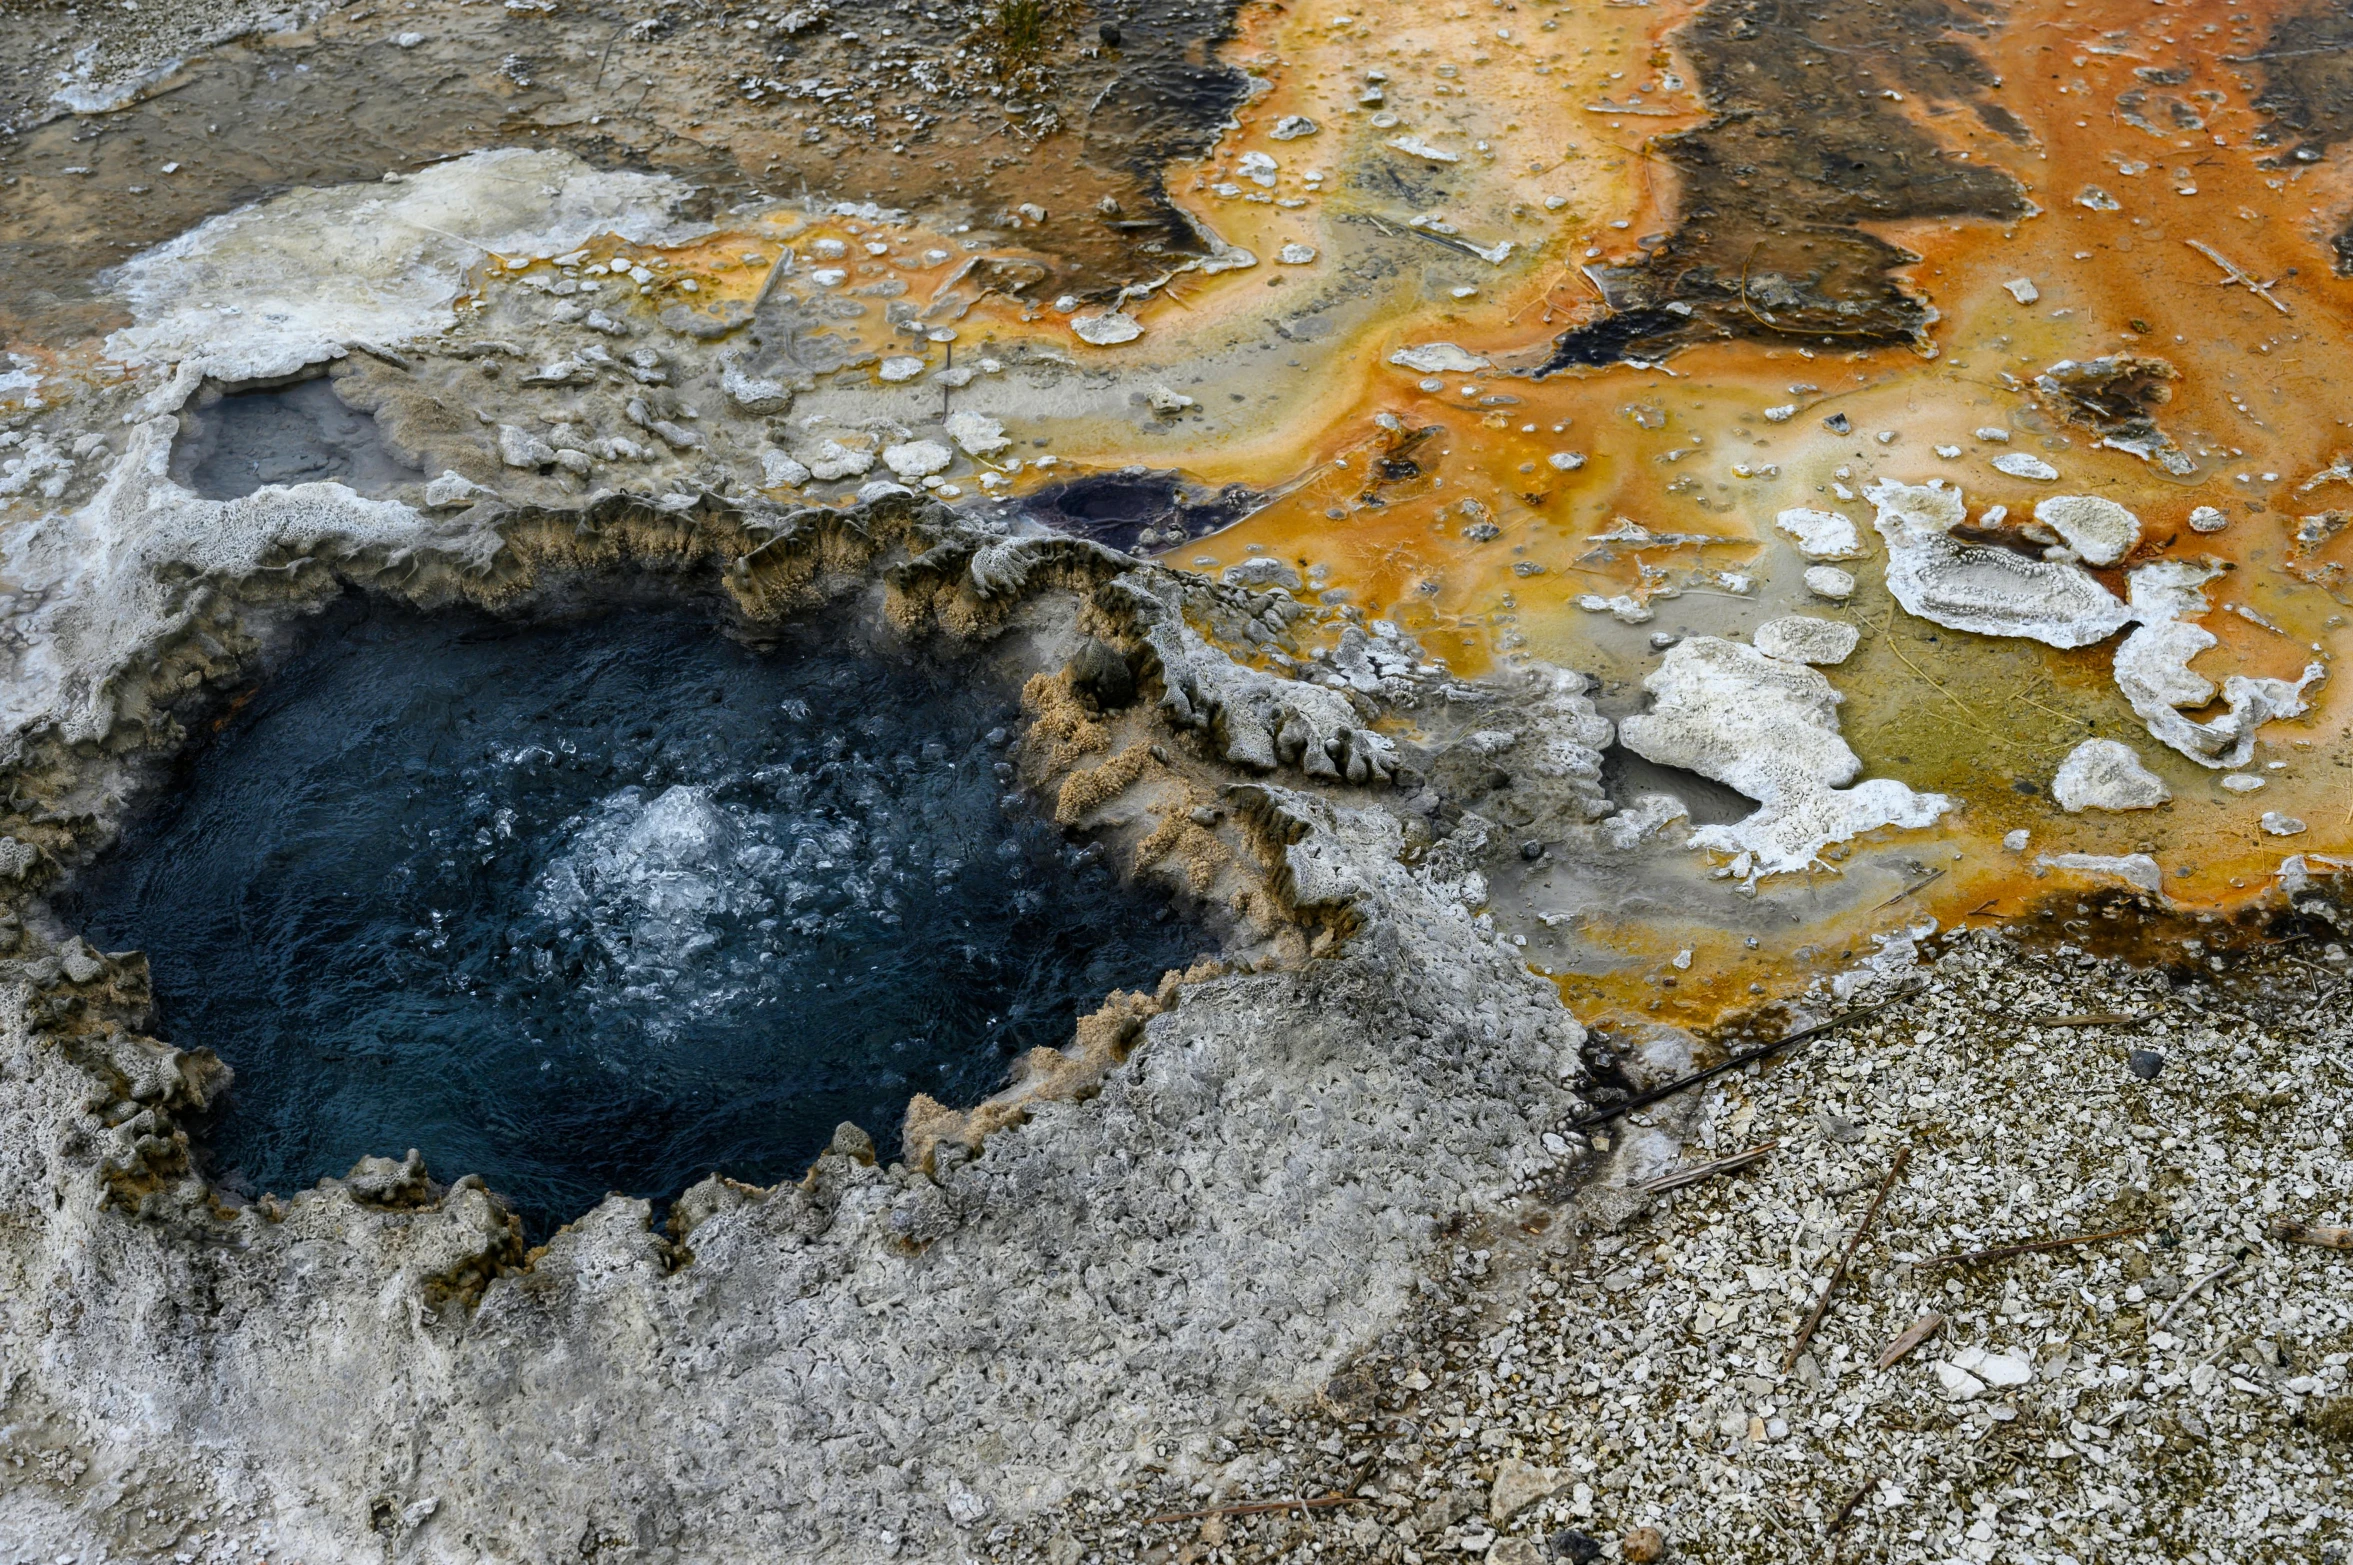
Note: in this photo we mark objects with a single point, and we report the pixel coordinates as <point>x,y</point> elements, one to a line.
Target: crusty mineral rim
<point>773,565</point>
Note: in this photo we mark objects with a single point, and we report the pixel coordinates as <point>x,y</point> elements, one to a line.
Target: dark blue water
<point>604,905</point>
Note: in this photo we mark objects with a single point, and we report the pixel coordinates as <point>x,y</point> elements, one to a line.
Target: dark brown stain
<point>2305,68</point>
<point>1805,144</point>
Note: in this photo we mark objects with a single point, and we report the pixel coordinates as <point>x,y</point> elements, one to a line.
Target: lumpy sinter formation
<point>605,904</point>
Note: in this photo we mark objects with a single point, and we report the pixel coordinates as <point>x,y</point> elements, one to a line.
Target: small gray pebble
<point>2146,1063</point>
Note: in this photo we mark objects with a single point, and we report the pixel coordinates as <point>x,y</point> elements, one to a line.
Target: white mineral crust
<point>1768,728</point>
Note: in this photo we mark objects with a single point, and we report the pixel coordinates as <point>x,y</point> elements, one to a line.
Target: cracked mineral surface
<point>1567,542</point>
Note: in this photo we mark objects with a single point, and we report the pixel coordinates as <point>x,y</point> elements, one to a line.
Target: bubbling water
<point>605,904</point>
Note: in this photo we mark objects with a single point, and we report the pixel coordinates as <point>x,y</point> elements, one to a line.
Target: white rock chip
<point>1803,639</point>
<point>2002,1370</point>
<point>2025,464</point>
<point>1978,587</point>
<point>1821,535</point>
<point>1828,581</point>
<point>1106,331</point>
<point>1517,1486</point>
<point>452,490</point>
<point>2101,531</point>
<point>520,448</point>
<point>778,470</point>
<point>2137,870</point>
<point>1768,728</point>
<point>2100,774</point>
<point>2206,519</point>
<point>1958,1383</point>
<point>1416,147</point>
<point>977,433</point>
<point>2016,840</point>
<point>833,460</point>
<point>1438,358</point>
<point>1566,461</point>
<point>2279,825</point>
<point>1168,403</point>
<point>2243,782</point>
<point>899,367</point>
<point>917,458</point>
<point>2023,290</point>
<point>1644,817</point>
<point>1257,168</point>
<point>1293,126</point>
<point>1296,254</point>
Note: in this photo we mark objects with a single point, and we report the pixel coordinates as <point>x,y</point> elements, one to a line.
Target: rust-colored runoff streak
<point>1805,1333</point>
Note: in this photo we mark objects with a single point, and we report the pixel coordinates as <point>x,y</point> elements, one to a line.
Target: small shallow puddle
<point>232,445</point>
<point>605,904</point>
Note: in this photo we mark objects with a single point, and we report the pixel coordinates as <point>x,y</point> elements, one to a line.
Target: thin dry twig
<point>1846,1511</point>
<point>1932,876</point>
<point>2003,1252</point>
<point>2090,1019</point>
<point>1805,1333</point>
<point>2236,274</point>
<point>2289,1231</point>
<point>1643,1100</point>
<point>1692,1176</point>
<point>1321,1502</point>
<point>2198,1287</point>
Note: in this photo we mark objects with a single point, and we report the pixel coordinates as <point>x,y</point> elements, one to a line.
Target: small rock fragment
<point>1803,639</point>
<point>1419,148</point>
<point>2101,774</point>
<point>1257,168</point>
<point>1168,403</point>
<point>1517,1486</point>
<point>521,448</point>
<point>1821,535</point>
<point>1438,358</point>
<point>833,460</point>
<point>977,433</point>
<point>2206,519</point>
<point>2145,1063</point>
<point>1566,461</point>
<point>2003,1370</point>
<point>1106,331</point>
<point>778,470</point>
<point>2016,841</point>
<point>2025,464</point>
<point>1293,126</point>
<point>1828,581</point>
<point>917,458</point>
<point>1576,1547</point>
<point>451,490</point>
<point>1958,1383</point>
<point>1295,254</point>
<point>2279,825</point>
<point>1643,1546</point>
<point>2241,782</point>
<point>2101,531</point>
<point>2023,290</point>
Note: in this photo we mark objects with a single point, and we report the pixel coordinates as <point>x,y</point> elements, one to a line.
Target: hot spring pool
<point>605,904</point>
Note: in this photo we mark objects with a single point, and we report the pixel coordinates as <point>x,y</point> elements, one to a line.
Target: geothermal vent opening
<point>606,903</point>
